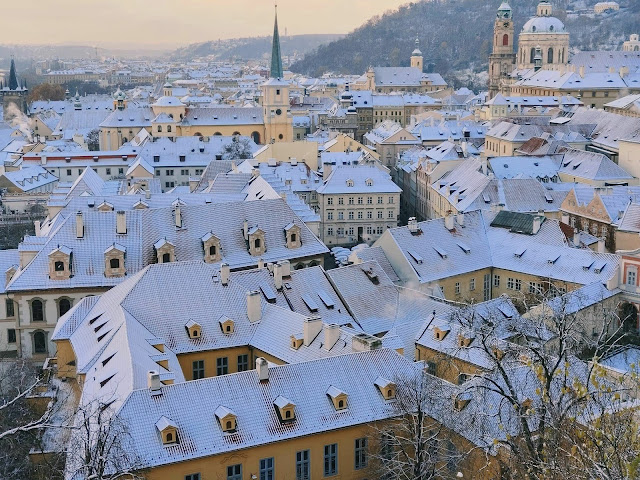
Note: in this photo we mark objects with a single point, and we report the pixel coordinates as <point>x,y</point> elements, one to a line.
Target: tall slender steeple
<point>13,77</point>
<point>276,54</point>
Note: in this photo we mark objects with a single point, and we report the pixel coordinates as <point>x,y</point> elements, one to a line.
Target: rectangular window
<point>350,200</point>
<point>330,459</point>
<point>169,172</point>
<point>198,369</point>
<point>631,277</point>
<point>330,201</point>
<point>360,200</point>
<point>369,200</point>
<point>359,215</point>
<point>108,171</point>
<point>534,287</point>
<point>351,230</point>
<point>222,366</point>
<point>457,288</point>
<point>496,280</point>
<point>234,472</point>
<point>518,284</point>
<point>68,172</point>
<point>120,171</point>
<point>340,215</point>
<point>510,283</point>
<point>10,309</point>
<point>340,201</point>
<point>350,215</point>
<point>243,363</point>
<point>340,231</point>
<point>380,215</point>
<point>303,468</point>
<point>390,214</point>
<point>361,453</point>
<point>369,215</point>
<point>192,476</point>
<point>11,335</point>
<point>330,231</point>
<point>390,199</point>
<point>379,200</point>
<point>472,284</point>
<point>369,230</point>
<point>329,215</point>
<point>266,469</point>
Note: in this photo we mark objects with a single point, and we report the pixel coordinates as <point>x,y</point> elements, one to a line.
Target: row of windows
<point>341,231</point>
<point>107,171</point>
<point>360,200</point>
<point>351,215</point>
<point>37,308</point>
<point>303,463</point>
<point>534,287</point>
<point>222,366</point>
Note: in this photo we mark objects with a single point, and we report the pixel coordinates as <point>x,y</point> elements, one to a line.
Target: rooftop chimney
<point>286,267</point>
<point>245,229</point>
<point>153,382</point>
<point>326,170</point>
<point>277,276</point>
<point>624,71</point>
<point>79,225</point>
<point>581,71</point>
<point>147,194</point>
<point>36,224</point>
<point>254,307</point>
<point>121,222</point>
<point>262,367</point>
<point>601,247</point>
<point>261,263</point>
<point>413,225</point>
<point>224,274</point>
<point>364,343</point>
<point>576,237</point>
<point>537,222</point>
<point>311,329</point>
<point>449,222</point>
<point>331,336</point>
<point>178,215</point>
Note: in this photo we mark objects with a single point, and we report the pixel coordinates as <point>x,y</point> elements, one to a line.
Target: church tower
<point>417,60</point>
<point>15,93</point>
<point>278,121</point>
<point>502,60</point>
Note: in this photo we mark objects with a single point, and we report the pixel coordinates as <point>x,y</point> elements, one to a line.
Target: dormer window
<point>114,257</point>
<point>465,339</point>
<point>227,419</point>
<point>285,409</point>
<point>461,400</point>
<point>387,388</point>
<point>105,207</point>
<point>211,246</point>
<point>338,398</point>
<point>349,183</point>
<point>440,333</point>
<point>165,251</point>
<point>257,245</point>
<point>369,182</point>
<point>297,341</point>
<point>60,263</point>
<point>292,234</point>
<point>226,325</point>
<point>168,431</point>
<point>194,330</point>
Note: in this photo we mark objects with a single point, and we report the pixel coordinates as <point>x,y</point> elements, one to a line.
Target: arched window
<point>197,134</point>
<point>287,414</point>
<point>256,137</point>
<point>236,133</point>
<point>39,342</point>
<point>37,311</point>
<point>389,393</point>
<point>169,437</point>
<point>293,237</point>
<point>228,425</point>
<point>114,263</point>
<point>213,251</point>
<point>166,258</point>
<point>217,134</point>
<point>505,40</point>
<point>159,128</point>
<point>533,55</point>
<point>64,305</point>
<point>257,243</point>
<point>341,404</point>
<point>550,55</point>
<point>58,266</point>
<point>169,128</point>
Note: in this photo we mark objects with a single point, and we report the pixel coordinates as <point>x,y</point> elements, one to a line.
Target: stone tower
<point>417,60</point>
<point>502,60</point>
<point>278,121</point>
<point>15,93</point>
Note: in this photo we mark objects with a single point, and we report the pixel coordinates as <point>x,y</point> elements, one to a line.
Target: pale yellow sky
<point>176,22</point>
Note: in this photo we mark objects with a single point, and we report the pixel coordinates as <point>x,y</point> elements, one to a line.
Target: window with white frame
<point>632,276</point>
<point>511,283</point>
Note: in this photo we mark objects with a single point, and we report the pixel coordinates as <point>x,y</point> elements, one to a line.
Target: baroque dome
<point>543,25</point>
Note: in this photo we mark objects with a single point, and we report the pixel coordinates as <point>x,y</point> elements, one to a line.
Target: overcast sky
<point>176,22</point>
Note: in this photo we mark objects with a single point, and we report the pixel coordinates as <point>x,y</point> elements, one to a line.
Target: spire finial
<point>276,55</point>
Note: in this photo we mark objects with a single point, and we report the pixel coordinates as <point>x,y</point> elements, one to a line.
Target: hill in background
<point>255,48</point>
<point>455,37</point>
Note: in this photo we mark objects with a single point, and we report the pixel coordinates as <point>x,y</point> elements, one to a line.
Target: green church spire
<point>276,55</point>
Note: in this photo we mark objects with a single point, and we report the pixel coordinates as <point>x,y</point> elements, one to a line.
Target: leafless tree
<point>566,415</point>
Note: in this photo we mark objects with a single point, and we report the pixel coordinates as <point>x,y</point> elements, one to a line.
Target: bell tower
<point>278,120</point>
<point>14,95</point>
<point>417,60</point>
<point>502,60</point>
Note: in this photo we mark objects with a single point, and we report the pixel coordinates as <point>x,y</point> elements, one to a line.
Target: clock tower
<point>502,60</point>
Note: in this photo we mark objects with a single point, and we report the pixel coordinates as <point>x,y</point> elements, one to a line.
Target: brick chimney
<point>224,274</point>
<point>254,306</point>
<point>79,225</point>
<point>121,222</point>
<point>262,367</point>
<point>331,336</point>
<point>311,329</point>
